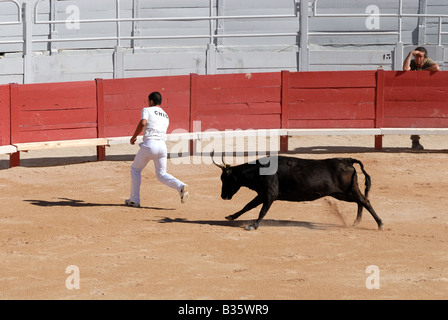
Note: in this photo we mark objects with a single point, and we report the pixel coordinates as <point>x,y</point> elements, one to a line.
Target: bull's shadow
<point>264,223</point>
<point>66,202</point>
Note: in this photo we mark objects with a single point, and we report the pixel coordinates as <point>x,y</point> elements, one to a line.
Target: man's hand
<point>133,139</point>
<point>416,53</point>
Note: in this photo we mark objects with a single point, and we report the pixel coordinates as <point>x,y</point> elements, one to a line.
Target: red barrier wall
<point>124,99</point>
<point>331,99</point>
<point>111,108</point>
<point>237,101</point>
<point>56,111</point>
<point>415,99</point>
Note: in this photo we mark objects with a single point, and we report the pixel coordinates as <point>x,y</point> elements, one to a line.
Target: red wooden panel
<point>223,122</point>
<point>55,117</point>
<point>69,95</point>
<point>237,95</point>
<point>335,79</point>
<point>248,80</point>
<point>436,93</point>
<point>242,108</point>
<point>58,134</point>
<point>415,109</point>
<point>328,124</point>
<point>415,79</point>
<point>5,120</point>
<point>332,95</point>
<point>125,98</point>
<point>145,86</point>
<point>348,110</point>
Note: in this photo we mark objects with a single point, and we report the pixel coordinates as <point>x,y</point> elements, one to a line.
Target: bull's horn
<point>222,166</point>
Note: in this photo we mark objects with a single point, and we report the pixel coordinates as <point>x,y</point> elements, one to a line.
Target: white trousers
<point>151,150</point>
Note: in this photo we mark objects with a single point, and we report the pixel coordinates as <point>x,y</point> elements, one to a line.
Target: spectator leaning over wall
<point>420,62</point>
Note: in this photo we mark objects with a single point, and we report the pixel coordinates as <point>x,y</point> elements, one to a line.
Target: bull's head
<point>230,183</point>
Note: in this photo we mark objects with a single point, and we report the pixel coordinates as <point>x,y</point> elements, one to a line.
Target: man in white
<point>154,122</point>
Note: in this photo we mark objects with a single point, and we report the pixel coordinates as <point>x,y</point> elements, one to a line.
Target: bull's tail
<point>368,181</point>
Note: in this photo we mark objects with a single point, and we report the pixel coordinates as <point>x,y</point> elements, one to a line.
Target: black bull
<point>296,180</point>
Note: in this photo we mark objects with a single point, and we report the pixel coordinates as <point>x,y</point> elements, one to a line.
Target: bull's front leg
<point>264,209</point>
<point>254,203</point>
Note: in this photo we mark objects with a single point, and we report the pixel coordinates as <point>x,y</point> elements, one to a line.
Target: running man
<point>154,122</point>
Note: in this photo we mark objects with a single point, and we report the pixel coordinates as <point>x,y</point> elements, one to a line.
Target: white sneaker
<point>184,194</point>
<point>130,203</point>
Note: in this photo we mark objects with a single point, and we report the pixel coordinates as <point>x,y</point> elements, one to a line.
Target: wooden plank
<point>146,85</point>
<point>61,144</point>
<point>335,79</point>
<point>240,122</point>
<point>414,109</point>
<point>415,123</point>
<point>322,124</point>
<point>415,79</point>
<point>57,117</point>
<point>9,149</point>
<point>435,93</point>
<point>332,95</point>
<point>332,132</point>
<point>240,80</point>
<point>416,131</point>
<point>57,96</point>
<point>241,108</point>
<point>338,110</point>
<point>237,95</point>
<point>55,134</point>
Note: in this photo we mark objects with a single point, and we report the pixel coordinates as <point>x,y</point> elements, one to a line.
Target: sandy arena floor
<point>61,209</point>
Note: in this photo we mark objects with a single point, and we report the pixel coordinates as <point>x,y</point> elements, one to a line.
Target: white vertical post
<point>136,44</point>
<point>304,50</point>
<point>27,21</point>
<point>118,54</point>
<point>53,32</point>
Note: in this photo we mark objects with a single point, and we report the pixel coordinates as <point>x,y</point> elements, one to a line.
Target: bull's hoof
<point>380,226</point>
<point>251,227</point>
<point>230,218</point>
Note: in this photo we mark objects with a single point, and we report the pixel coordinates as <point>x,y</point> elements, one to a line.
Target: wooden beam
<point>61,144</point>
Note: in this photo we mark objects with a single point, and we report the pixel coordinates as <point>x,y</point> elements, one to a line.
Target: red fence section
<point>124,99</point>
<point>238,101</point>
<point>57,111</point>
<point>336,100</point>
<point>111,108</point>
<point>415,99</point>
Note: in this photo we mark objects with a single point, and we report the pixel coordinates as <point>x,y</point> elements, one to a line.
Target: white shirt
<point>158,122</point>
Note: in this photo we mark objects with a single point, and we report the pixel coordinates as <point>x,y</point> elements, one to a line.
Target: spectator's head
<point>422,50</point>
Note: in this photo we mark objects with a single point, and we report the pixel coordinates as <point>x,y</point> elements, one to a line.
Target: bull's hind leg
<point>358,216</point>
<point>366,204</point>
<point>254,203</point>
<point>362,203</point>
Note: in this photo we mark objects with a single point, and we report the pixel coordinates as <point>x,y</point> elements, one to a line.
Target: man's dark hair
<point>422,49</point>
<point>156,97</point>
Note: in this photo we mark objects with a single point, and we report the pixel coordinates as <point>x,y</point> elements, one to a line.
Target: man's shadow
<point>66,202</point>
